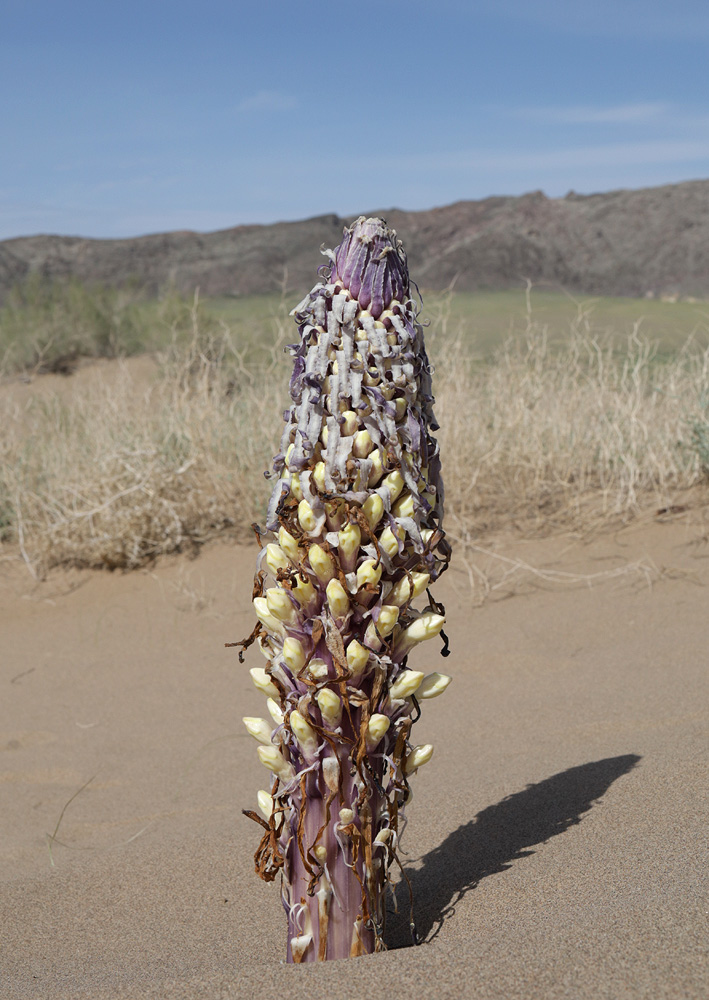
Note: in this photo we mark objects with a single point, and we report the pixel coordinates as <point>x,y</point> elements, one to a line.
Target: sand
<point>555,840</point>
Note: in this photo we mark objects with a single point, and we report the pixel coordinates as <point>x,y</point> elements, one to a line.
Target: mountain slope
<point>617,243</point>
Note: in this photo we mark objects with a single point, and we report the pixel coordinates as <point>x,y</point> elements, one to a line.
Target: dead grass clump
<point>116,477</point>
<point>573,437</point>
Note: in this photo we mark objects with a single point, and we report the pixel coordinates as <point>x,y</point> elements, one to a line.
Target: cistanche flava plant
<point>355,522</point>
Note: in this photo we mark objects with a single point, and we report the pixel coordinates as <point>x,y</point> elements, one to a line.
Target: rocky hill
<point>652,241</point>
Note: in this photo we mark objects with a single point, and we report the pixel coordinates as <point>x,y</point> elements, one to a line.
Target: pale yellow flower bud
<point>258,728</point>
<point>432,685</point>
<point>351,423</point>
<point>346,816</point>
<point>404,506</point>
<point>337,599</point>
<point>377,468</point>
<point>303,731</point>
<point>272,758</point>
<point>330,705</point>
<point>425,627</point>
<point>389,542</point>
<point>265,803</point>
<point>348,541</point>
<point>406,684</point>
<point>276,558</point>
<point>362,444</point>
<point>318,669</point>
<point>402,591</point>
<point>293,654</point>
<point>394,482</point>
<point>280,604</point>
<point>376,728</point>
<point>304,592</point>
<point>263,682</point>
<point>295,487</point>
<point>264,615</point>
<point>321,563</point>
<point>368,572</point>
<point>319,476</point>
<point>373,509</point>
<point>275,711</point>
<point>418,757</point>
<point>306,516</point>
<point>388,616</point>
<point>288,544</point>
<point>357,658</point>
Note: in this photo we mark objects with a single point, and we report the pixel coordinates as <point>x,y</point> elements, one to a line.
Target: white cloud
<point>267,101</point>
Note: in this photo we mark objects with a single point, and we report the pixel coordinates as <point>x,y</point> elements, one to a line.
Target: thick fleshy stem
<point>355,538</point>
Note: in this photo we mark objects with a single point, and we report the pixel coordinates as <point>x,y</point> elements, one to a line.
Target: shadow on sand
<point>495,838</point>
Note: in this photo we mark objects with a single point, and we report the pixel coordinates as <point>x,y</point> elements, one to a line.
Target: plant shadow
<point>491,841</point>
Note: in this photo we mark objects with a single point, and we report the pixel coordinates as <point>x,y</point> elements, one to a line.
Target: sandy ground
<point>555,840</point>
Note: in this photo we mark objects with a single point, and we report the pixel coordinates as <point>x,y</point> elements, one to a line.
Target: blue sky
<point>119,119</point>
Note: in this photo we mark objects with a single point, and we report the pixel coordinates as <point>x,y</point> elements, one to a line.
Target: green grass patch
<point>49,325</point>
<point>484,320</point>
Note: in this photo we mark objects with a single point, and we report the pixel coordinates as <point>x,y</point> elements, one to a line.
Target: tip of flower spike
<point>371,264</point>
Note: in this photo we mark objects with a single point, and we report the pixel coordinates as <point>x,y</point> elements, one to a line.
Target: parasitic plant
<point>355,527</point>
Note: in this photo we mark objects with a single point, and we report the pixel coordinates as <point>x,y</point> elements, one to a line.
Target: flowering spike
<point>356,512</point>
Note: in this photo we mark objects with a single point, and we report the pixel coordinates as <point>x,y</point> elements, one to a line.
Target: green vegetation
<point>485,319</point>
<point>48,326</point>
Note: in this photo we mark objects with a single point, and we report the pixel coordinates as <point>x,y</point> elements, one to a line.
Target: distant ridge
<point>652,241</point>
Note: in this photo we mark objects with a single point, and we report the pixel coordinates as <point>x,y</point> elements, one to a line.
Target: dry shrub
<point>535,438</point>
<point>114,477</point>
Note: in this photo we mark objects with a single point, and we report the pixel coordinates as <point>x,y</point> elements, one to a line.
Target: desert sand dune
<point>554,842</point>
